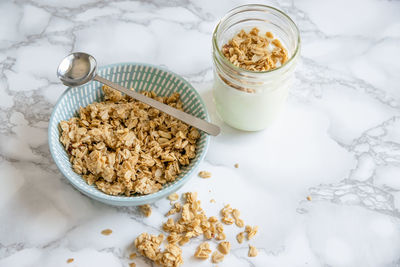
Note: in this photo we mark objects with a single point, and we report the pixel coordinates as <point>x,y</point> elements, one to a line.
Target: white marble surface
<point>338,140</point>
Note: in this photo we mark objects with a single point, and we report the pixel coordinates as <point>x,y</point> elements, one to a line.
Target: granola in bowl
<point>143,78</point>
<point>125,147</point>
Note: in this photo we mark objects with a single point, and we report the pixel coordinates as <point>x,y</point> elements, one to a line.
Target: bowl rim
<point>120,200</point>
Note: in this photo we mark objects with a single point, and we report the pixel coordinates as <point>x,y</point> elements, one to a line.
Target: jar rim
<point>239,9</point>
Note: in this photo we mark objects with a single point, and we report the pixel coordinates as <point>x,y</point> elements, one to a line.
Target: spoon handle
<point>200,124</point>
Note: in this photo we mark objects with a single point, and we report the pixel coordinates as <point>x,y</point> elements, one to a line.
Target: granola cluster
<point>126,147</point>
<point>106,232</point>
<point>149,246</point>
<point>230,216</point>
<point>191,222</point>
<point>145,209</point>
<point>255,52</point>
<point>251,231</point>
<point>224,247</point>
<point>205,174</point>
<point>252,251</point>
<point>203,251</point>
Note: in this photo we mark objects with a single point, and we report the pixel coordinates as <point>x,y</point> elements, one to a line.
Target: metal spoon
<point>79,68</point>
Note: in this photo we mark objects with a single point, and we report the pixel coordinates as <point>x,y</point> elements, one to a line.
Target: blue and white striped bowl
<point>142,77</point>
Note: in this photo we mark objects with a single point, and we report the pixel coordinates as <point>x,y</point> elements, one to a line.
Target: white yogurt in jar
<point>249,111</point>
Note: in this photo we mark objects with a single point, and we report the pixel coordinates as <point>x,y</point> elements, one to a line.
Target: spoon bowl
<point>77,69</point>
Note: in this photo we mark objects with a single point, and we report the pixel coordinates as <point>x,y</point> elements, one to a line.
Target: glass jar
<point>250,100</point>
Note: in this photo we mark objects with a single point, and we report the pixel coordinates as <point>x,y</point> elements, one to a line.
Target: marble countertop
<point>338,141</point>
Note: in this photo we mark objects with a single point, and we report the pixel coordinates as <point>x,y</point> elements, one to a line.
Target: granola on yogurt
<point>254,51</point>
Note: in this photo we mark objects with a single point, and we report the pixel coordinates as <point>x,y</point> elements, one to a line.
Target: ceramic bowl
<point>141,77</point>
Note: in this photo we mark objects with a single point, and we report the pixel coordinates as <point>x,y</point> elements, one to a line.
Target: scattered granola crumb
<point>217,257</point>
<point>252,251</point>
<point>203,251</point>
<point>173,197</point>
<point>106,232</point>
<point>191,222</point>
<point>146,210</point>
<point>171,257</point>
<point>236,165</point>
<point>236,214</point>
<point>205,174</point>
<point>239,222</point>
<point>132,256</point>
<point>177,207</point>
<point>132,264</point>
<point>149,245</point>
<point>226,212</point>
<point>212,200</point>
<point>224,247</point>
<point>240,237</point>
<point>70,260</point>
<point>309,198</point>
<point>251,231</point>
<point>221,236</point>
<point>227,220</point>
<point>213,219</point>
<point>255,52</point>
